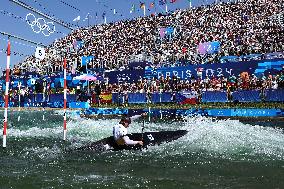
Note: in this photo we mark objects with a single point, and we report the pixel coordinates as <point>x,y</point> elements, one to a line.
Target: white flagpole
<point>166,8</point>
<point>144,10</point>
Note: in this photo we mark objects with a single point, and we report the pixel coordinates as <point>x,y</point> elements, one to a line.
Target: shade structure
<point>85,77</point>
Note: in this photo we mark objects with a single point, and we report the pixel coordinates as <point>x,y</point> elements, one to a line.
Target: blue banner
<point>210,70</point>
<point>78,44</point>
<point>244,112</point>
<point>79,105</point>
<point>166,31</point>
<point>209,47</point>
<point>126,76</point>
<point>86,59</point>
<point>105,111</point>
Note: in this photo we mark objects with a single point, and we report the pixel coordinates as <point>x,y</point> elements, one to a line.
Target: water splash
<point>229,139</point>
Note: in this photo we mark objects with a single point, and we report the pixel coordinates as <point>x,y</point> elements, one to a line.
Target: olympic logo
<point>39,25</point>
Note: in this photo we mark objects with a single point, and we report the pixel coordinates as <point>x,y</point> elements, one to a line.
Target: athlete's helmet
<point>125,120</point>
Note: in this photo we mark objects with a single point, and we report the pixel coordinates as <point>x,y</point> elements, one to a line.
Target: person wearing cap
<point>120,131</point>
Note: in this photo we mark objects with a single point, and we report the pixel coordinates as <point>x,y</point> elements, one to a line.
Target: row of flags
<point>152,4</point>
<point>142,5</point>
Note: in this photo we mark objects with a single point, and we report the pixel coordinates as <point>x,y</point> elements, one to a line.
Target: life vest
<point>120,141</point>
<point>119,131</point>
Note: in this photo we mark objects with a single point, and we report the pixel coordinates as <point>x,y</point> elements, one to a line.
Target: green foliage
<point>260,105</point>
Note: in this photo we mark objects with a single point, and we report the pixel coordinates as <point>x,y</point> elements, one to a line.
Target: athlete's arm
<point>128,141</point>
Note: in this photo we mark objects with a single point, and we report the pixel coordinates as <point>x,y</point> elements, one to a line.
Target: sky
<point>15,19</point>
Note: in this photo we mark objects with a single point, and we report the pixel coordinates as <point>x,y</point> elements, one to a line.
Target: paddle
<point>143,126</point>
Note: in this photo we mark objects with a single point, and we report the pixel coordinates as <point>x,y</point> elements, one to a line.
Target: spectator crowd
<point>242,28</point>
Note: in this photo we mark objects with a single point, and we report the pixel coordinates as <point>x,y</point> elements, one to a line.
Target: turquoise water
<point>214,154</point>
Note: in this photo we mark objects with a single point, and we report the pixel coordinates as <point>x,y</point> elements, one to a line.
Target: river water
<point>214,154</point>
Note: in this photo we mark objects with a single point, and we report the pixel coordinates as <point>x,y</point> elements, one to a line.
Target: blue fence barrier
<point>56,97</point>
<point>214,96</point>
<point>137,98</point>
<point>57,104</point>
<point>161,97</point>
<point>79,105</point>
<point>105,111</point>
<point>117,98</point>
<point>71,98</point>
<point>36,104</point>
<point>56,100</point>
<point>247,96</point>
<point>245,112</point>
<point>192,112</point>
<point>275,95</point>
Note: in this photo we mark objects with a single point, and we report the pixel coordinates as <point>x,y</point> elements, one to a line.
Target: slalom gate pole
<point>65,102</point>
<point>19,97</point>
<point>6,95</point>
<point>149,110</point>
<point>143,126</point>
<point>142,131</point>
<point>160,104</point>
<point>43,114</point>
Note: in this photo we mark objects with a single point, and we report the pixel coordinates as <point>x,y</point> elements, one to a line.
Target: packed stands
<point>243,29</point>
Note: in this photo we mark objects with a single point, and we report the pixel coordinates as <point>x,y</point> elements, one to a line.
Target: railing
<point>188,97</point>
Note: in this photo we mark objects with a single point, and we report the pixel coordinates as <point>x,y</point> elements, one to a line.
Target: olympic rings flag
<point>39,25</point>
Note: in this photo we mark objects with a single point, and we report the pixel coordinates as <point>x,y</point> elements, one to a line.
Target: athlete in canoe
<point>120,131</point>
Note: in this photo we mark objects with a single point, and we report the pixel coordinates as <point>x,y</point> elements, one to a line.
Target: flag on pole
<point>104,16</point>
<point>106,98</point>
<point>162,2</point>
<point>132,9</point>
<point>142,5</point>
<point>86,17</point>
<point>190,4</point>
<point>76,19</point>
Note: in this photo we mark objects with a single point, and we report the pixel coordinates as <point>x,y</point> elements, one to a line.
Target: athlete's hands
<point>140,143</point>
<point>144,114</point>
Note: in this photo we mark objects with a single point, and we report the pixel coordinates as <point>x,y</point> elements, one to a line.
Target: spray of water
<point>229,139</point>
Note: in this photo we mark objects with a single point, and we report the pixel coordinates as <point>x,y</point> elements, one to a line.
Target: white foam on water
<point>44,153</point>
<point>227,139</point>
<point>223,138</point>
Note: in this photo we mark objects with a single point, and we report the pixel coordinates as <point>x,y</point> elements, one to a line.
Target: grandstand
<point>242,28</point>
<point>219,36</point>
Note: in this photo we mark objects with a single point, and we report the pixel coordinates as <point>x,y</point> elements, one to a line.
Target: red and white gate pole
<point>65,102</point>
<point>6,95</point>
